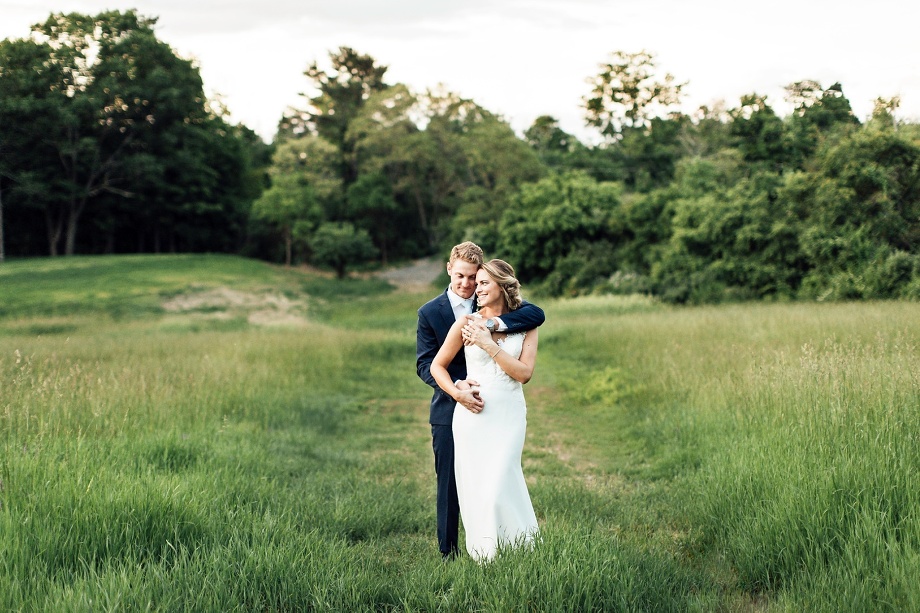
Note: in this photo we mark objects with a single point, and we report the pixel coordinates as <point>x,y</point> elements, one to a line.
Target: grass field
<point>211,433</point>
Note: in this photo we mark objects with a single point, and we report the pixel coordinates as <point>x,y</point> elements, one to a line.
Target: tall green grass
<point>818,497</point>
<point>731,458</point>
<point>788,433</point>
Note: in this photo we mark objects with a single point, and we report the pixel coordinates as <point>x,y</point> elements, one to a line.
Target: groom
<point>435,319</point>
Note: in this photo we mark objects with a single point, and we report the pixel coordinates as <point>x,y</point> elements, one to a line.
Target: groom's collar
<point>455,299</point>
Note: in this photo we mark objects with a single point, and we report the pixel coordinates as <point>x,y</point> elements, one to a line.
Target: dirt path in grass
<point>267,308</point>
<point>419,275</point>
<point>259,308</point>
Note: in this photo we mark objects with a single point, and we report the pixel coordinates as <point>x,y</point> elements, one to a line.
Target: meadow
<point>210,433</point>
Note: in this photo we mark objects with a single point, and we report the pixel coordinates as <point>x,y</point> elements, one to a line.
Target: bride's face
<point>488,292</point>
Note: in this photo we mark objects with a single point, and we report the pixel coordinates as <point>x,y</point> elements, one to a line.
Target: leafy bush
<point>340,245</point>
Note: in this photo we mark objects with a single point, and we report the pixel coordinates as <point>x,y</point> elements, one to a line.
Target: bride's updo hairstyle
<point>503,274</point>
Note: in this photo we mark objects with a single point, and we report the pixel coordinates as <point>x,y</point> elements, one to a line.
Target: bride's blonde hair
<point>503,274</point>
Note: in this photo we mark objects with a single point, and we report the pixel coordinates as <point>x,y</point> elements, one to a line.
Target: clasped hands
<point>469,396</point>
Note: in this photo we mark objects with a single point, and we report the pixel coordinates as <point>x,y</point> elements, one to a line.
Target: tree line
<point>103,129</point>
<point>108,144</point>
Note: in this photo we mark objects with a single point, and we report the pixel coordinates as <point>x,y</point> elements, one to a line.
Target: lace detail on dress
<point>483,368</point>
<point>514,342</point>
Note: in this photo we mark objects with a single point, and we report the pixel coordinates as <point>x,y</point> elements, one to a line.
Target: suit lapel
<point>447,312</point>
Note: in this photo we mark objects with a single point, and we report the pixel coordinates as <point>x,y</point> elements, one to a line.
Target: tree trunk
<point>54,228</point>
<point>74,211</point>
<point>287,249</point>
<point>423,217</point>
<point>70,238</point>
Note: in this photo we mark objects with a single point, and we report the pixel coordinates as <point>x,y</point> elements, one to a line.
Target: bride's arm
<point>519,369</point>
<point>452,344</point>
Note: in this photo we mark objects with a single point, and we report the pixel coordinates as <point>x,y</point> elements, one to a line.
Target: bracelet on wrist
<point>496,353</point>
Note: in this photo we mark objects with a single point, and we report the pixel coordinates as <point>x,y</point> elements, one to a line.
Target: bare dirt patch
<point>260,308</point>
<point>419,275</point>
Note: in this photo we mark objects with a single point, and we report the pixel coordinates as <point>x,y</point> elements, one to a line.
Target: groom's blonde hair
<point>468,252</point>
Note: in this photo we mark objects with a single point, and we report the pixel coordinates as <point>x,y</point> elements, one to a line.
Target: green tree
<point>31,118</point>
<point>648,157</point>
<point>384,134</point>
<point>498,163</point>
<point>819,114</point>
<point>373,208</point>
<point>441,173</point>
<point>342,91</point>
<point>728,240</point>
<point>859,213</point>
<point>707,132</point>
<point>26,180</point>
<point>97,123</point>
<point>462,155</point>
<point>104,90</point>
<point>758,132</point>
<point>626,94</point>
<point>183,176</point>
<point>549,219</point>
<point>304,182</point>
<point>340,245</point>
<point>555,147</point>
<point>883,112</point>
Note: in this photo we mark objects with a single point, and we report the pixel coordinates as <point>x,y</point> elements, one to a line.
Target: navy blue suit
<point>435,319</point>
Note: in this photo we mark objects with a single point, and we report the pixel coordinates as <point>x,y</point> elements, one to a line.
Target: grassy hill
<point>215,433</point>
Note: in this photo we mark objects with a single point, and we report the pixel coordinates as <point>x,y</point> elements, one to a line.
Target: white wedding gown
<point>494,503</point>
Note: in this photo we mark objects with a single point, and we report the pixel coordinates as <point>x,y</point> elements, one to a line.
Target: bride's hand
<point>476,333</point>
<point>466,332</point>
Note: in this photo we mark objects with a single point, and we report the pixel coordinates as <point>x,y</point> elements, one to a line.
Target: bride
<point>494,503</point>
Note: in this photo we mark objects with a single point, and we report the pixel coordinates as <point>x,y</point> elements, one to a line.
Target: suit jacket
<point>435,319</point>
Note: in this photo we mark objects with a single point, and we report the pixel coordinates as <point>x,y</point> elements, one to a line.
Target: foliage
<point>341,93</point>
<point>100,119</point>
<point>819,114</point>
<point>303,187</point>
<point>340,245</point>
<point>758,131</point>
<point>552,144</point>
<point>553,217</point>
<point>626,93</point>
<point>104,128</point>
<point>372,205</point>
<point>859,211</point>
<point>729,243</point>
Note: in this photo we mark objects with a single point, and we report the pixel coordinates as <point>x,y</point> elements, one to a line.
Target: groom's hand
<point>469,396</point>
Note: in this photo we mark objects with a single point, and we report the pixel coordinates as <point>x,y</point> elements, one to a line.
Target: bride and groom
<point>476,362</point>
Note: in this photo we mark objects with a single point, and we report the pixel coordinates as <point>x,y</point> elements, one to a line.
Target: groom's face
<point>462,277</point>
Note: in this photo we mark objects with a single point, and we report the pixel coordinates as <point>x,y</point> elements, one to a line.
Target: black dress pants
<point>442,442</point>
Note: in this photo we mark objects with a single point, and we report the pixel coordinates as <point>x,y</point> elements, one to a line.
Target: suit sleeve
<point>426,348</point>
<point>526,317</point>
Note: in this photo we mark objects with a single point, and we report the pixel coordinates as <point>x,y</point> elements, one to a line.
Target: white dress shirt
<point>461,306</point>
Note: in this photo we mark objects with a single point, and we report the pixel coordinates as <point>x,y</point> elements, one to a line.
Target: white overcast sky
<point>523,59</point>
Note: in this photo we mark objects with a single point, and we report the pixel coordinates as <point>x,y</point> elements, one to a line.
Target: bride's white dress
<point>494,503</point>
